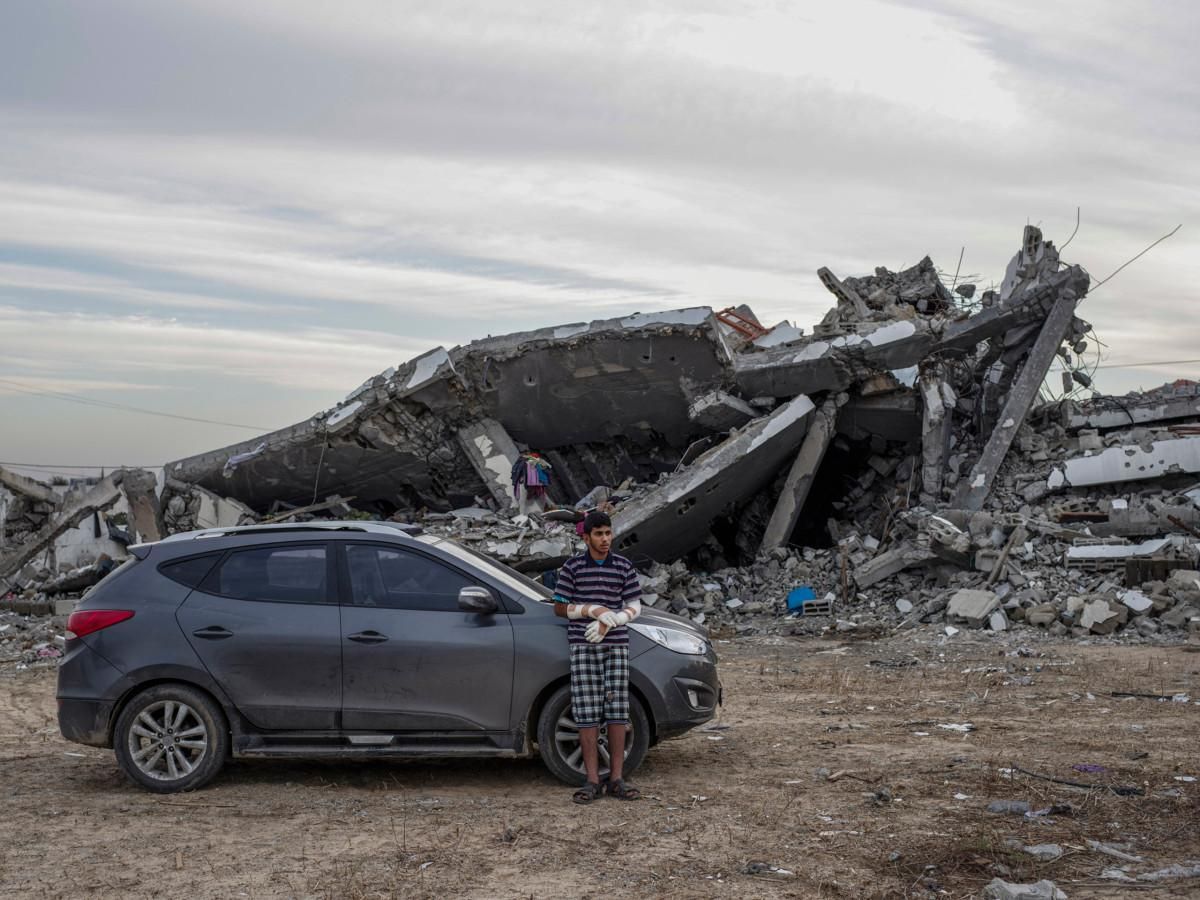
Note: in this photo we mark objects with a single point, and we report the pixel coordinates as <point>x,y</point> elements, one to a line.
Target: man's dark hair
<point>596,519</point>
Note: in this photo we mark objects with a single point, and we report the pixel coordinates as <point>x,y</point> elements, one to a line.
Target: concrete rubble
<point>900,464</point>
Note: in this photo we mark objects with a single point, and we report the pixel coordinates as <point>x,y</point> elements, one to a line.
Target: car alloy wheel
<point>171,737</point>
<point>168,740</point>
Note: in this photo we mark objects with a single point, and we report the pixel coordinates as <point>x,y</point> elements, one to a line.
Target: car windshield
<point>525,586</point>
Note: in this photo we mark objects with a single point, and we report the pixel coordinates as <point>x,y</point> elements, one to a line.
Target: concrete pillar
<point>492,453</point>
<point>145,514</point>
<point>938,399</point>
<point>974,490</point>
<point>800,478</point>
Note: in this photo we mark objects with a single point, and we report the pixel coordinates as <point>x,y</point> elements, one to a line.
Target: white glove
<point>593,632</point>
<point>615,619</point>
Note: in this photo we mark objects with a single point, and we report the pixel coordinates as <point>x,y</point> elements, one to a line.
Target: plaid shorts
<point>599,684</point>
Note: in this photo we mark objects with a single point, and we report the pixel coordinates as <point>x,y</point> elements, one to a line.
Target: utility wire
<point>1097,285</point>
<point>107,404</point>
<point>1138,365</point>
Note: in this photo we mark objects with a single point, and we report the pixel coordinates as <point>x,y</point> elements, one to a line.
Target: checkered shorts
<point>599,684</point>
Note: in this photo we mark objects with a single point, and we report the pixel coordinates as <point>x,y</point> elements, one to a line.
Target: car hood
<point>665,619</point>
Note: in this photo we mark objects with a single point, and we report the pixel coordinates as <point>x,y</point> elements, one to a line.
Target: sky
<point>238,212</point>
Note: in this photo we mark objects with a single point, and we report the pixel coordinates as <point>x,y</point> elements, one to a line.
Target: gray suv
<point>345,639</point>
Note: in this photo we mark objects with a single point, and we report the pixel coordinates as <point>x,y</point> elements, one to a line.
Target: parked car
<point>345,639</point>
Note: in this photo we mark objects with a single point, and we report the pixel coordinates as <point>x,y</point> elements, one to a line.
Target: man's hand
<point>615,619</point>
<point>595,631</point>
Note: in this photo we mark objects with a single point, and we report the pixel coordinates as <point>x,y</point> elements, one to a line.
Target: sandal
<point>589,792</point>
<point>622,791</point>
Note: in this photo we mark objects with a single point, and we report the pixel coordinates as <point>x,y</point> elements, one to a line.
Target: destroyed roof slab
<point>676,516</point>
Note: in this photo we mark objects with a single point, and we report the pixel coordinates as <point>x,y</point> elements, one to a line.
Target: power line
<point>1139,365</point>
<point>107,404</point>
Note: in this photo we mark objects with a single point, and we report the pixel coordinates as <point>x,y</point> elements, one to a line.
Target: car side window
<point>396,579</point>
<point>279,574</point>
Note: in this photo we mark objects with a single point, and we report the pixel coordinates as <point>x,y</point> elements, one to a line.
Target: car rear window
<point>190,571</point>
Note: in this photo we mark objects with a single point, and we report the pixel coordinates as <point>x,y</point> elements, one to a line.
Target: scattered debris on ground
<point>830,778</point>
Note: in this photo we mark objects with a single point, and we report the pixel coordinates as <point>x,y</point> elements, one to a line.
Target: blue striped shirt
<point>612,583</point>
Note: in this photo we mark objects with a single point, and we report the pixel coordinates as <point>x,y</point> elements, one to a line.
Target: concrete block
<point>1179,616</point>
<point>1099,617</point>
<point>998,889</point>
<point>1183,580</point>
<point>1042,614</point>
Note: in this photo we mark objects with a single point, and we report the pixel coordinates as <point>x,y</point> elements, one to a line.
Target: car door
<point>411,659</point>
<point>265,623</point>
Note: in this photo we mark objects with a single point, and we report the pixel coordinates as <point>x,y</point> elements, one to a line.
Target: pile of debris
<point>898,466</point>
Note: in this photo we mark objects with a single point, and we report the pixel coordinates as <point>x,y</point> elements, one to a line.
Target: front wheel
<point>558,739</point>
<point>171,738</point>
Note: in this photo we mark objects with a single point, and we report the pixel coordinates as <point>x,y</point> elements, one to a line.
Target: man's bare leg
<point>591,755</point>
<point>616,751</point>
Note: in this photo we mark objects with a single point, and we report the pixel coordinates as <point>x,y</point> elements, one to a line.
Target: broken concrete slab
<point>973,607</point>
<point>100,497</point>
<point>492,452</point>
<point>1133,463</point>
<point>718,411</point>
<point>887,564</point>
<point>676,515</point>
<point>619,384</point>
<point>1171,402</point>
<point>28,487</point>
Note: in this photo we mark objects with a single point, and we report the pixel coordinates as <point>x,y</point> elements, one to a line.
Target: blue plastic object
<point>797,597</point>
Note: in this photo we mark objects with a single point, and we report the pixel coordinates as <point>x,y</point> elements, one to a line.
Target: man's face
<point>599,540</point>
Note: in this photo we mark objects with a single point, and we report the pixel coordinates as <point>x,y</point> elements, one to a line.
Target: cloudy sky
<point>238,212</point>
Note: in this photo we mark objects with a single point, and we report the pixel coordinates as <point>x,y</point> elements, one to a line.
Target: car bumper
<point>684,691</point>
<point>85,721</point>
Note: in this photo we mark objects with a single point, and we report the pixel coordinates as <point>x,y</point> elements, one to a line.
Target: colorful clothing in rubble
<point>533,472</point>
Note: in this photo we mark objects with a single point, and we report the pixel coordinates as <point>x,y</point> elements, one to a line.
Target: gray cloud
<point>397,175</point>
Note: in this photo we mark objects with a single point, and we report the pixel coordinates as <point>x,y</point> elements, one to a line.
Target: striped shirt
<point>612,583</point>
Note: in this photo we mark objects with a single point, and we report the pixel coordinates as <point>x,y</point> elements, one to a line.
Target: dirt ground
<point>902,812</point>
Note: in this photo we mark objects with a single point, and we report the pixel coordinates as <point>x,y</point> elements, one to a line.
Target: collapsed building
<point>887,462</point>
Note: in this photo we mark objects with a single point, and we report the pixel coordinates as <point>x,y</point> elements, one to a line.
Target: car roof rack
<point>365,526</point>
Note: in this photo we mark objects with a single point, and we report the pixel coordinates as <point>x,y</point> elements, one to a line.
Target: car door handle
<point>368,637</point>
<point>213,633</point>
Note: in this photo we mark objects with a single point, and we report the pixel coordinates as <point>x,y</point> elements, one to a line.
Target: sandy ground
<point>719,801</point>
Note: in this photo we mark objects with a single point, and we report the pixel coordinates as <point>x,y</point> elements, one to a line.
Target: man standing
<point>599,593</point>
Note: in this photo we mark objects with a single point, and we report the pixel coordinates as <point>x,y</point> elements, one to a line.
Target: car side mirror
<point>477,600</point>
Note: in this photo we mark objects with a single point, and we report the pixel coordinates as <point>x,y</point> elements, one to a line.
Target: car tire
<point>171,738</point>
<point>555,743</point>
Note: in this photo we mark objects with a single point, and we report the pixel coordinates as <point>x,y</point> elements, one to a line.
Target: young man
<point>599,593</point>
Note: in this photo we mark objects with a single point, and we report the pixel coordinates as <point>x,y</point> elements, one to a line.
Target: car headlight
<point>672,638</point>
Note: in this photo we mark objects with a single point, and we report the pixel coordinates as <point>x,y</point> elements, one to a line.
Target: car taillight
<point>86,621</point>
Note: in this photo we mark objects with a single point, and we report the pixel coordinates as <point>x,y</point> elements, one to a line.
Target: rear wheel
<point>171,738</point>
<point>558,739</point>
